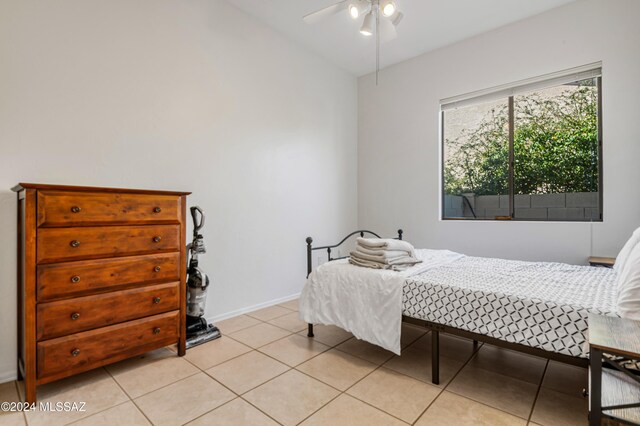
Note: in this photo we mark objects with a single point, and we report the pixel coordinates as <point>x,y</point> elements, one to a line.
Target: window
<point>531,151</point>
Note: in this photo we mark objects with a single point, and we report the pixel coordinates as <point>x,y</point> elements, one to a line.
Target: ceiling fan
<point>381,17</point>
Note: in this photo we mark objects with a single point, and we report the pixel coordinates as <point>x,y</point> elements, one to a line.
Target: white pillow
<point>629,286</point>
<point>621,260</point>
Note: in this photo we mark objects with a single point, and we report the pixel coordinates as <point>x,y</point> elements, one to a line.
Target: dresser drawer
<point>57,280</point>
<point>63,244</point>
<point>70,316</point>
<point>90,349</point>
<point>61,208</point>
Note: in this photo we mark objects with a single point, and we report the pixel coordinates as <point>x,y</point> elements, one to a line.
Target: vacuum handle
<point>197,225</point>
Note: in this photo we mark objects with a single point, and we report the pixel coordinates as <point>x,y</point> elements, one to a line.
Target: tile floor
<point>265,371</point>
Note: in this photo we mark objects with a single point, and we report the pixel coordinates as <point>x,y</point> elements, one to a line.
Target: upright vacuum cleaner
<point>198,330</point>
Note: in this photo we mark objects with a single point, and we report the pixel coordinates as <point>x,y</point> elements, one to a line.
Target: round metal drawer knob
<point>75,352</point>
<point>156,300</point>
<point>157,239</point>
<point>157,210</point>
<point>75,279</point>
<point>156,269</point>
<point>74,243</point>
<point>75,209</point>
<point>156,330</point>
<point>75,316</point>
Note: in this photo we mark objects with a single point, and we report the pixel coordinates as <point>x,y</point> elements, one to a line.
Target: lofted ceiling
<point>427,25</point>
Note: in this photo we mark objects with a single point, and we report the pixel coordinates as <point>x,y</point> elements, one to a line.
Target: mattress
<point>542,305</point>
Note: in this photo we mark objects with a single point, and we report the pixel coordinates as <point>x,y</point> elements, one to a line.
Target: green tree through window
<point>525,153</point>
<point>555,147</point>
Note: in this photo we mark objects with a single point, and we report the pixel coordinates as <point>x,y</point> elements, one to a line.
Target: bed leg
<point>310,331</point>
<point>435,357</point>
<point>595,393</point>
<point>475,345</point>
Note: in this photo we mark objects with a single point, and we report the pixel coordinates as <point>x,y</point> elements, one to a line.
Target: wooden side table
<point>607,262</point>
<point>614,393</point>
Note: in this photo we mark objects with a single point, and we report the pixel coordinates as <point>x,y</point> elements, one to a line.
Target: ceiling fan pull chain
<point>377,4</point>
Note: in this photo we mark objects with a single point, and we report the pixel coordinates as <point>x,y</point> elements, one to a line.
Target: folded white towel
<point>377,265</point>
<point>366,263</point>
<point>386,244</point>
<point>382,252</point>
<point>382,257</point>
<point>404,261</point>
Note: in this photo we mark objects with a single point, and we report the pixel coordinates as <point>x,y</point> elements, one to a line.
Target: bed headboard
<point>362,233</point>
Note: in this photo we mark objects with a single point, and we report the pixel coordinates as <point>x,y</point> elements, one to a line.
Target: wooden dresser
<point>101,277</point>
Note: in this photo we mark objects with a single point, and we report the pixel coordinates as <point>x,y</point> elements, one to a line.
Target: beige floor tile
<point>123,414</point>
<point>328,334</point>
<point>291,304</point>
<point>556,408</point>
<point>566,378</point>
<point>336,368</point>
<point>450,409</point>
<point>238,323</point>
<point>15,418</point>
<point>415,361</point>
<point>215,352</point>
<point>394,393</point>
<point>183,401</point>
<point>291,397</point>
<point>346,410</point>
<point>259,335</point>
<point>365,350</point>
<point>411,333</point>
<point>247,371</point>
<point>496,390</point>
<point>450,346</point>
<point>9,393</point>
<point>289,322</point>
<point>150,371</point>
<point>269,313</point>
<point>96,388</point>
<point>237,413</point>
<point>294,349</point>
<point>509,363</point>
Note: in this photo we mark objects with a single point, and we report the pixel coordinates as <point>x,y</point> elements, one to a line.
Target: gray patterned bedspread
<point>543,305</point>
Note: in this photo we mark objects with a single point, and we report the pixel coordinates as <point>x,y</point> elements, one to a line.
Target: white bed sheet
<point>366,302</point>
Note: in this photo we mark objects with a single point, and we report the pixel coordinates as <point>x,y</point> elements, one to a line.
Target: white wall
<point>398,148</point>
<point>185,95</point>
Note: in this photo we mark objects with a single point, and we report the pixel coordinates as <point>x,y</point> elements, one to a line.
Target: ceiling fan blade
<point>387,30</point>
<point>318,15</point>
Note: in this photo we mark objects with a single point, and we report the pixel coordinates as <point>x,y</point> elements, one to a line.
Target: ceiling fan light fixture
<point>354,10</point>
<point>388,8</point>
<point>373,10</point>
<point>367,24</point>
<point>395,20</point>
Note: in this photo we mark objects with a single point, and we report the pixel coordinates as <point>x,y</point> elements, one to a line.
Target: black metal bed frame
<point>437,328</point>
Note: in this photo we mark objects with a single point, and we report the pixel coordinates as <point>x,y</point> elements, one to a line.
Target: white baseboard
<point>8,374</point>
<point>241,311</point>
<point>11,374</point>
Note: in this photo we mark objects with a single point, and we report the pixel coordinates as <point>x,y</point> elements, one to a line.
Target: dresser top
<point>21,186</point>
